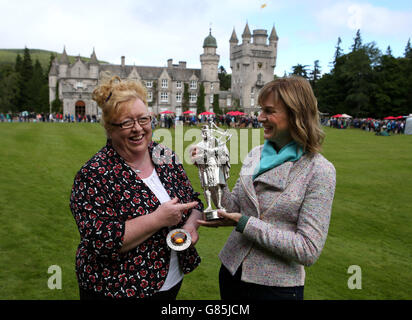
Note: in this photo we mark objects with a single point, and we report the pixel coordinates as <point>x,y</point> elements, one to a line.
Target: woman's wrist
<point>241,224</point>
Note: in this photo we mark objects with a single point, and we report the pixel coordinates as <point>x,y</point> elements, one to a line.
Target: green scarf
<point>270,158</point>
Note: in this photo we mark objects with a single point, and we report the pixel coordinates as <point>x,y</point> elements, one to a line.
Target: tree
<point>315,73</point>
<point>216,108</point>
<point>408,49</point>
<point>37,98</point>
<point>388,96</point>
<point>26,73</point>
<point>185,101</point>
<point>57,104</point>
<point>201,99</point>
<point>365,83</point>
<point>224,78</point>
<point>357,44</point>
<point>338,51</point>
<point>9,89</point>
<point>18,64</point>
<point>300,70</point>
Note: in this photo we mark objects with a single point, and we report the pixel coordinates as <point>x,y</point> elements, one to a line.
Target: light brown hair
<point>297,96</point>
<point>113,97</point>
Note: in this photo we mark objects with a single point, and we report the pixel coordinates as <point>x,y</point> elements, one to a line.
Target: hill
<point>8,56</point>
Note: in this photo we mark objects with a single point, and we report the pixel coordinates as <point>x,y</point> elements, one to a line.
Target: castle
<point>252,63</point>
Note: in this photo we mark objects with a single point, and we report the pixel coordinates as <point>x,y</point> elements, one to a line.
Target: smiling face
<point>132,143</point>
<point>275,120</point>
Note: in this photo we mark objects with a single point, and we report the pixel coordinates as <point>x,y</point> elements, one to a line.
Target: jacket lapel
<point>276,177</point>
<point>279,177</point>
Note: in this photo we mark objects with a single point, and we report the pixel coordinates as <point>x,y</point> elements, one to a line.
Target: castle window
<point>211,99</point>
<point>149,84</point>
<point>178,84</point>
<point>164,83</point>
<point>164,97</point>
<point>211,87</point>
<point>193,84</point>
<point>79,85</point>
<point>260,64</point>
<point>178,97</point>
<point>193,98</point>
<point>252,102</point>
<point>150,96</point>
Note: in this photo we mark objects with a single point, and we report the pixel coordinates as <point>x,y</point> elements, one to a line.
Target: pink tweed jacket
<point>289,208</point>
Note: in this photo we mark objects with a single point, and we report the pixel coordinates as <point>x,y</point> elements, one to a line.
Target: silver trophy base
<point>211,215</point>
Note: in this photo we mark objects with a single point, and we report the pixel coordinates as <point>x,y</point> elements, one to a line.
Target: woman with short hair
<point>125,199</point>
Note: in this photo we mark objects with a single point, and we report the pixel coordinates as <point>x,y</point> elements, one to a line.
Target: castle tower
<point>209,61</point>
<point>63,64</point>
<point>233,41</point>
<point>93,66</point>
<point>252,63</point>
<point>53,75</point>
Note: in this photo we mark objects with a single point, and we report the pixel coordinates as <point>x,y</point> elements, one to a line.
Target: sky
<point>149,32</point>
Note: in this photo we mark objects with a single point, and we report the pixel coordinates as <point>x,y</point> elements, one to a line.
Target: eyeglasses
<point>127,124</point>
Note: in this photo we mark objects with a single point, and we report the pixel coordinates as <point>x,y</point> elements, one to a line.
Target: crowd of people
<point>169,120</point>
<point>46,117</point>
<point>244,121</point>
<point>368,124</point>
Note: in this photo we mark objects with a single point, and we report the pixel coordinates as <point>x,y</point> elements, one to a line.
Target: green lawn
<point>370,225</point>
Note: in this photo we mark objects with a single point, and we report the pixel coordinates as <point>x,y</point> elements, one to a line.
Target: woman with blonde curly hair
<point>125,200</point>
<point>281,203</point>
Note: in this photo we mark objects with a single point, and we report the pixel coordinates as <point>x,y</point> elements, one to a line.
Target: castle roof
<point>233,38</point>
<point>151,73</point>
<point>93,58</point>
<point>273,35</point>
<point>210,41</point>
<point>246,33</point>
<point>53,68</point>
<point>64,59</point>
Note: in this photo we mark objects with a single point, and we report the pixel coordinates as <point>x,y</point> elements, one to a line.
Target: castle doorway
<point>80,108</point>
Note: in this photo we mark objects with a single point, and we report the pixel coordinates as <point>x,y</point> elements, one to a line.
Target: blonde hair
<point>297,96</point>
<point>113,95</point>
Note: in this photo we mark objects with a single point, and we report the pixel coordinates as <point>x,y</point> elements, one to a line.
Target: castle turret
<point>273,36</point>
<point>233,41</point>
<point>273,42</point>
<point>93,66</point>
<point>53,76</point>
<point>246,35</point>
<point>63,63</point>
<point>209,61</point>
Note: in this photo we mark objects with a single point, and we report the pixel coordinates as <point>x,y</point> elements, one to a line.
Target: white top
<point>175,274</point>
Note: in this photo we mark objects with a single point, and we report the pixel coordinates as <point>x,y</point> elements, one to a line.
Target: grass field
<point>370,225</point>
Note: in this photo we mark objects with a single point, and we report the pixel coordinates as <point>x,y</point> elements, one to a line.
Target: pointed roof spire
<point>63,58</point>
<point>273,35</point>
<point>93,58</point>
<point>53,68</point>
<point>233,38</point>
<point>246,33</point>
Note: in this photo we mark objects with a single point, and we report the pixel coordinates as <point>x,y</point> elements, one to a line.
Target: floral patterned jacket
<point>105,194</point>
